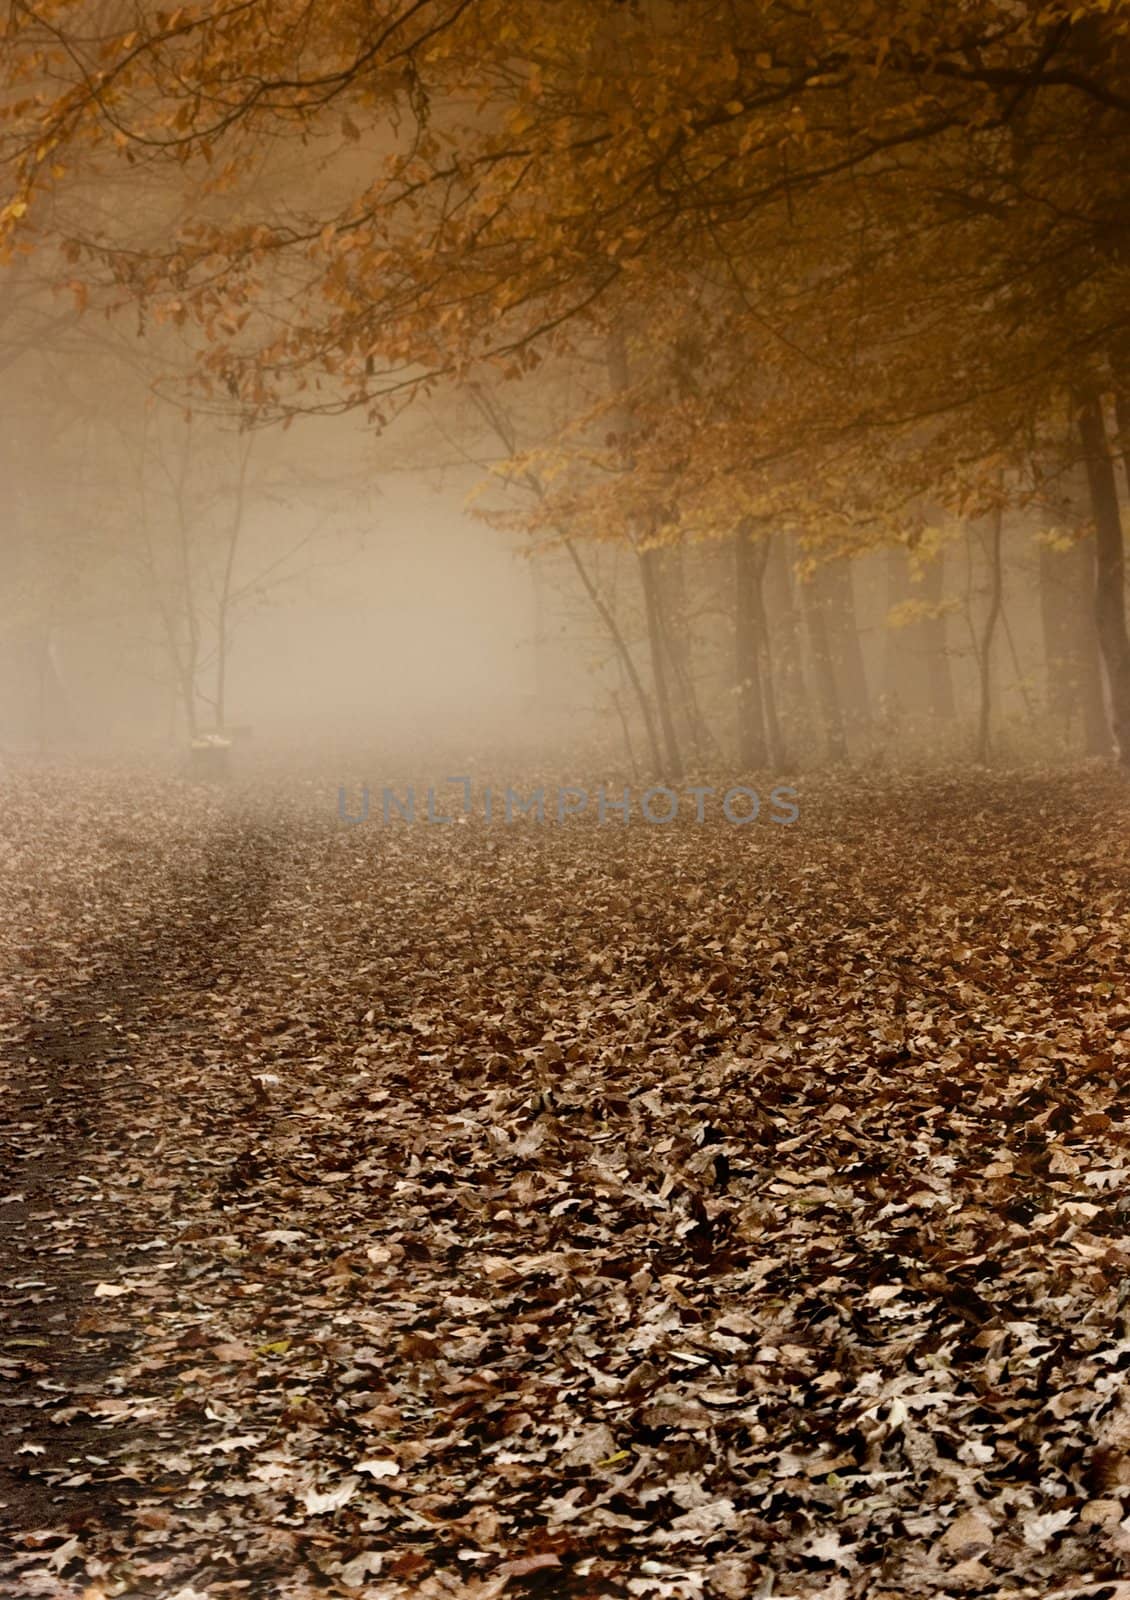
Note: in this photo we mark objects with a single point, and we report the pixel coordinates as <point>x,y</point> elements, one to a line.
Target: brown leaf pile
<point>574,1211</point>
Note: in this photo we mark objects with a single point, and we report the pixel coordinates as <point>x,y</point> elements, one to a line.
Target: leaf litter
<point>577,1211</point>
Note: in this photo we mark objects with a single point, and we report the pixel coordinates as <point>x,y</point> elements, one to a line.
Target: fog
<point>452,548</point>
<point>427,624</point>
<point>375,596</point>
<point>371,606</point>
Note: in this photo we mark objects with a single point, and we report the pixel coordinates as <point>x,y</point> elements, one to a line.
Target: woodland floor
<point>636,1211</point>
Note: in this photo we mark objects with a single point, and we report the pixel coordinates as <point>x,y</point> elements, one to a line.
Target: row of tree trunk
<point>798,651</point>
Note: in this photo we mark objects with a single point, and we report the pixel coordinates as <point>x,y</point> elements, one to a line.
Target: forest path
<point>622,1212</point>
<point>94,1144</point>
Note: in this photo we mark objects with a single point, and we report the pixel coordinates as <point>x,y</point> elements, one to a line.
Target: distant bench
<point>209,753</point>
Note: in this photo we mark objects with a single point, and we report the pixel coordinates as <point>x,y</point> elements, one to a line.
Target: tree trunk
<point>752,744</point>
<point>824,672</point>
<point>777,752</point>
<point>1057,625</point>
<point>188,698</point>
<point>189,662</point>
<point>939,678</point>
<point>497,420</point>
<point>902,665</point>
<point>620,645</point>
<point>1073,669</point>
<point>783,645</point>
<point>672,767</point>
<point>916,671</point>
<point>223,605</point>
<point>627,732</point>
<point>674,625</point>
<point>834,584</point>
<point>53,717</point>
<point>541,673</point>
<point>1110,598</point>
<point>1122,417</point>
<point>988,633</point>
<point>1089,667</point>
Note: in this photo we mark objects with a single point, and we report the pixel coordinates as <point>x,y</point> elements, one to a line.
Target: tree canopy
<point>859,251</point>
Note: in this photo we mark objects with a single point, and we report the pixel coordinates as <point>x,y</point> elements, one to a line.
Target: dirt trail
<point>690,1214</point>
<point>84,1087</point>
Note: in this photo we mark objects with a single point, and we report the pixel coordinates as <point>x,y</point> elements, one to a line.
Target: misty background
<point>340,588</point>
